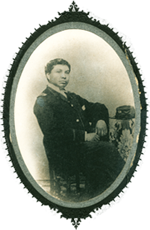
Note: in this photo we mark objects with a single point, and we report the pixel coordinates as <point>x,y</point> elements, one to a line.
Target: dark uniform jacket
<point>64,122</point>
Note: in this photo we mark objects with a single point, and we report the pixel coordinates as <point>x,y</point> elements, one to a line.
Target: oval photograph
<point>75,115</point>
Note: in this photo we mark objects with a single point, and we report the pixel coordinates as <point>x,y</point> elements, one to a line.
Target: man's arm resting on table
<point>100,130</point>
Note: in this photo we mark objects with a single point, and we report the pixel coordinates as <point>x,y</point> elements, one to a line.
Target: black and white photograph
<point>75,95</point>
<point>73,131</point>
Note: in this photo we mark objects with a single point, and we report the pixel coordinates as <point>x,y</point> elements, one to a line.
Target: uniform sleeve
<point>94,112</point>
<point>53,128</point>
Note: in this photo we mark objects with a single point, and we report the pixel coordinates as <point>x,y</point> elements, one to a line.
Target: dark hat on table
<point>124,112</point>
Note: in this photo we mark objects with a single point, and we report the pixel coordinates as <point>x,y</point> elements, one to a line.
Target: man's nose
<point>63,75</point>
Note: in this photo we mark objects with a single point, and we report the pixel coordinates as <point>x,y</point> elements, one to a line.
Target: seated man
<point>76,132</point>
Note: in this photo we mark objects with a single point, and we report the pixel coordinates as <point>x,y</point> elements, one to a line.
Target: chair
<point>66,185</point>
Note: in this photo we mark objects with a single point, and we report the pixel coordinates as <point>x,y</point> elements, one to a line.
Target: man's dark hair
<point>58,61</point>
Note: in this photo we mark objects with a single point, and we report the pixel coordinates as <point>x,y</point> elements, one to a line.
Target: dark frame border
<point>73,15</point>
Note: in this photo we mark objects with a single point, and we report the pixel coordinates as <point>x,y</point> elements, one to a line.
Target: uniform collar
<point>55,88</point>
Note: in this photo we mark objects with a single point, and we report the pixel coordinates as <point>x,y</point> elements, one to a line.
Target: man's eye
<point>58,71</point>
<point>67,72</point>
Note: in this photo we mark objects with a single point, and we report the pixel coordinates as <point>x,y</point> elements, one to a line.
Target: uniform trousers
<point>100,163</point>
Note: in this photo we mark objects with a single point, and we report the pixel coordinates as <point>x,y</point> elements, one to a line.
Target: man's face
<point>59,76</point>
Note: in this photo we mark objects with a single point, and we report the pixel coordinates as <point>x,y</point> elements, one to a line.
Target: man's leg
<point>101,164</point>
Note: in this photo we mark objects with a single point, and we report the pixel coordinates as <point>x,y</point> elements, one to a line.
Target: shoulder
<point>74,95</point>
<point>45,98</point>
<point>42,99</point>
<point>70,93</point>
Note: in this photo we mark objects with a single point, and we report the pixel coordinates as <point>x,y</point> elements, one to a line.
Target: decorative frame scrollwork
<point>75,17</point>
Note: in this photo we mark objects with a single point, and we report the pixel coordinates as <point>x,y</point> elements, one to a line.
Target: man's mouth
<point>63,82</point>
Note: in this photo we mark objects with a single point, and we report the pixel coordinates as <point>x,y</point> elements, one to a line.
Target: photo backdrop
<point>97,74</point>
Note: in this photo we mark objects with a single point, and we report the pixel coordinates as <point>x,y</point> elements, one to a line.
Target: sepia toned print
<point>76,135</point>
<point>74,114</point>
<point>74,117</point>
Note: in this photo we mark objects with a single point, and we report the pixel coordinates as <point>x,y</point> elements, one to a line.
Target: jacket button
<point>77,120</point>
<point>71,105</point>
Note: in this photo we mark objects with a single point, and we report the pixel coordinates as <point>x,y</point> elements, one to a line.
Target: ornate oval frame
<point>73,19</point>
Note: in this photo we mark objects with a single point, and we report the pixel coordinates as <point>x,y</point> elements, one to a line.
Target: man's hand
<point>101,128</point>
<point>91,137</point>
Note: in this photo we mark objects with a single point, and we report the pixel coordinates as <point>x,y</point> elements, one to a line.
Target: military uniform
<point>64,121</point>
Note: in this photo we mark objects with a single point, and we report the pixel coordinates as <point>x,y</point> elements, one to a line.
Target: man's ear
<point>48,76</point>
